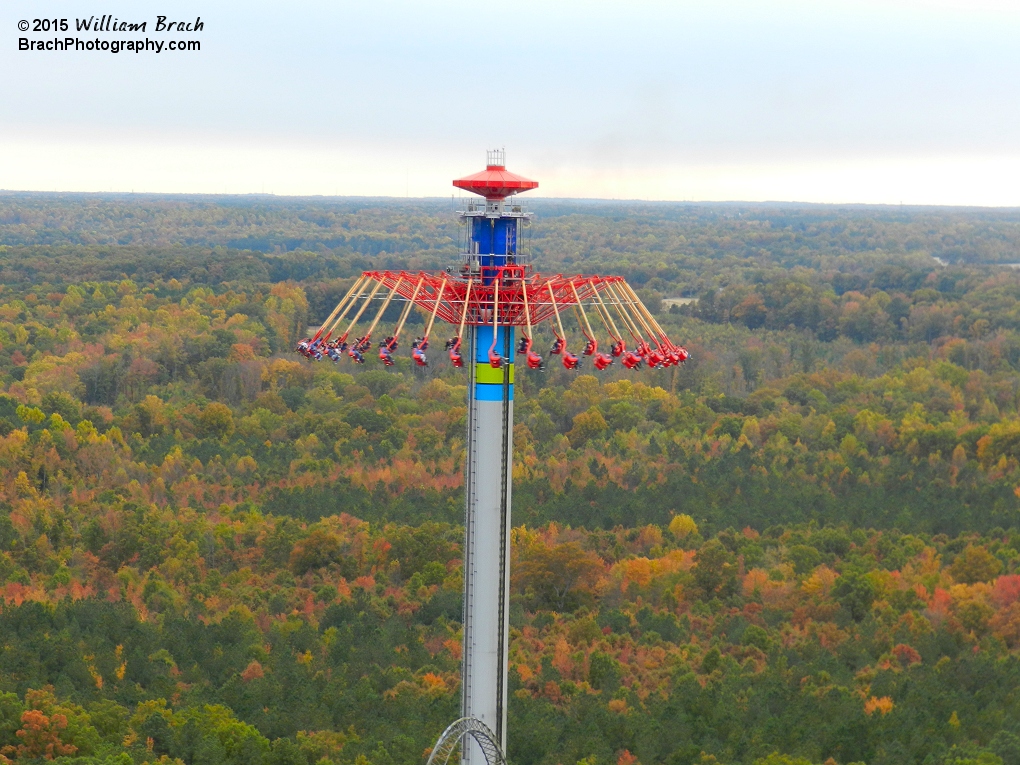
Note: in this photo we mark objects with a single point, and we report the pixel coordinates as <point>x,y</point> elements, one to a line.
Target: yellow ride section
<point>487,374</point>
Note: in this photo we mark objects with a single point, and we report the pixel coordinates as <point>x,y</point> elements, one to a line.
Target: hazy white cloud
<point>901,100</point>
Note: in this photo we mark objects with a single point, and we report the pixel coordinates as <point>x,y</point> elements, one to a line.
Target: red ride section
<point>495,182</point>
<point>542,290</point>
<point>507,296</point>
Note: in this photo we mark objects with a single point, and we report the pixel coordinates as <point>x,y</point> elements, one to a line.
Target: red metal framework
<point>494,289</point>
<point>480,294</point>
<point>500,295</point>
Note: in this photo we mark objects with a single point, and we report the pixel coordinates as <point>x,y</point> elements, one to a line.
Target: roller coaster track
<point>453,735</point>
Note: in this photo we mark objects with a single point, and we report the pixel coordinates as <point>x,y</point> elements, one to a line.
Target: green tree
<point>975,564</point>
<point>11,710</point>
<point>855,593</point>
<point>714,572</point>
<point>587,425</point>
<point>804,558</point>
<point>216,421</point>
<point>559,576</point>
<point>318,549</point>
<point>603,671</point>
<point>782,759</point>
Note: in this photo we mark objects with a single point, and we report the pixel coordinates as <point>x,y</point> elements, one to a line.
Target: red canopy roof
<point>495,182</point>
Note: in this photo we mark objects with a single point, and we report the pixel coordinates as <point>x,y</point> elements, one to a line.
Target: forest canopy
<point>801,547</point>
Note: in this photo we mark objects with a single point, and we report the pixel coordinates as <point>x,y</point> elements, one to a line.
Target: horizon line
<point>587,200</point>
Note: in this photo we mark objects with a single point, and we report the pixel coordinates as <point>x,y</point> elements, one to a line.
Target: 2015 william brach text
<point>110,23</point>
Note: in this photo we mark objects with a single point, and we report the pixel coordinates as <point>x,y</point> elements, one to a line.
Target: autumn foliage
<point>39,737</point>
<point>801,547</point>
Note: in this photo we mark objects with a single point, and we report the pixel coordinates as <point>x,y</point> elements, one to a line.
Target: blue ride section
<point>495,238</point>
<point>489,381</point>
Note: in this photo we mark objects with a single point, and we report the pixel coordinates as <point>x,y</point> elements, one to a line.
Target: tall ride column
<point>493,228</point>
<point>487,533</point>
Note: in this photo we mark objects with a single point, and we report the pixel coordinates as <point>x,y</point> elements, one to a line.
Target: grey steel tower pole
<point>487,537</point>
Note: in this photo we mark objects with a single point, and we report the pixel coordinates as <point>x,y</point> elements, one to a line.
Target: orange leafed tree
<point>884,705</point>
<point>40,737</point>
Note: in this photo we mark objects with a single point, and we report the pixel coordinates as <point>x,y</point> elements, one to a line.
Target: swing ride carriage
<point>494,293</point>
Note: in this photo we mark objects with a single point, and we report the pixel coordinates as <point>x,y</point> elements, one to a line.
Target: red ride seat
<point>570,361</point>
<point>602,361</point>
<point>495,360</point>
<point>453,349</point>
<point>618,348</point>
<point>631,360</point>
<point>535,361</point>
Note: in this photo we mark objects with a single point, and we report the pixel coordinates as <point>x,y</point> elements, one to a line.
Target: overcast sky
<point>913,101</point>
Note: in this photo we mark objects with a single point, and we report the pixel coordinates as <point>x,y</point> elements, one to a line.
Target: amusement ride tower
<point>494,231</point>
<point>494,292</point>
